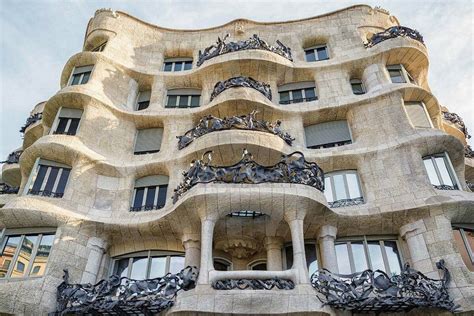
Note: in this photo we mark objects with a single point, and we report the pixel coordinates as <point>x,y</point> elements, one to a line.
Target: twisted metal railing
<point>253,284</point>
<point>211,124</point>
<point>468,152</point>
<point>292,168</point>
<point>123,296</point>
<point>375,291</point>
<point>6,189</point>
<point>13,157</point>
<point>241,81</point>
<point>346,202</point>
<point>255,42</point>
<point>393,32</point>
<point>31,120</point>
<point>458,121</point>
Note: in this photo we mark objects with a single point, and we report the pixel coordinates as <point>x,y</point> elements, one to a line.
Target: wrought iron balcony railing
<point>445,187</point>
<point>46,193</point>
<point>299,100</point>
<point>470,185</point>
<point>253,284</point>
<point>123,296</point>
<point>393,32</point>
<point>31,120</point>
<point>241,81</point>
<point>468,152</point>
<point>292,168</point>
<point>255,42</point>
<point>346,202</point>
<point>13,157</point>
<point>457,121</point>
<point>6,189</point>
<point>375,291</point>
<point>211,124</point>
<point>146,208</point>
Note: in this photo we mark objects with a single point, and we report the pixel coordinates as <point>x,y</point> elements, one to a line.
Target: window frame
<point>461,228</point>
<point>346,186</point>
<point>328,145</point>
<point>22,232</point>
<point>178,60</point>
<point>54,127</point>
<point>227,262</point>
<point>149,254</point>
<point>100,48</point>
<point>306,242</point>
<point>146,152</point>
<point>81,75</point>
<point>314,49</point>
<point>357,81</point>
<point>143,206</point>
<point>137,101</point>
<point>423,105</point>
<point>364,239</point>
<point>405,74</point>
<point>290,92</point>
<point>449,166</point>
<point>189,93</point>
<point>257,262</point>
<point>34,173</point>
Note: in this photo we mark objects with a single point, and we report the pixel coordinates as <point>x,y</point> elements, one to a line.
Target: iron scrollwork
<point>393,32</point>
<point>241,81</point>
<point>292,168</point>
<point>255,42</point>
<point>468,152</point>
<point>13,157</point>
<point>31,120</point>
<point>458,121</point>
<point>211,124</point>
<point>6,189</point>
<point>244,284</point>
<point>121,295</point>
<point>346,202</point>
<point>375,291</point>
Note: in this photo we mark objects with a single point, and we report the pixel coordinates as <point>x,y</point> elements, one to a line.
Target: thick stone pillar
<point>97,247</point>
<point>192,248</point>
<point>273,245</point>
<point>207,232</point>
<point>295,221</point>
<point>326,240</point>
<point>413,235</point>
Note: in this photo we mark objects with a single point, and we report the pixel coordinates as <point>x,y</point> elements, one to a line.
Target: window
<point>25,251</point>
<point>99,48</point>
<point>342,188</point>
<point>464,239</point>
<point>416,112</point>
<point>260,265</point>
<point>440,172</point>
<point>310,249</point>
<point>148,141</point>
<point>359,254</point>
<point>80,75</point>
<point>49,178</point>
<point>183,98</point>
<point>221,264</point>
<point>297,92</point>
<point>177,64</point>
<point>149,193</point>
<point>148,264</point>
<point>317,53</point>
<point>143,100</point>
<point>398,74</point>
<point>327,134</point>
<point>357,86</point>
<point>67,121</point>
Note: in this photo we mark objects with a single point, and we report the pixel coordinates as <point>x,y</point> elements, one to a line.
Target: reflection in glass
<point>311,259</point>
<point>328,189</point>
<point>396,76</point>
<point>343,262</point>
<point>358,252</point>
<point>8,253</point>
<point>375,254</point>
<point>42,255</point>
<point>353,184</point>
<point>289,257</point>
<point>392,256</point>
<point>339,187</point>
<point>24,257</point>
<point>121,267</point>
<point>139,267</point>
<point>443,171</point>
<point>158,267</point>
<point>176,264</point>
<point>431,171</point>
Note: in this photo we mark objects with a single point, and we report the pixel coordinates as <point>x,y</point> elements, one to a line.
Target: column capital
<point>191,241</point>
<point>97,243</point>
<point>273,242</point>
<point>292,215</point>
<point>327,231</point>
<point>412,229</point>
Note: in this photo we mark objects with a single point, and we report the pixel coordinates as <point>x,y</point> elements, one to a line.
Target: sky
<point>38,37</point>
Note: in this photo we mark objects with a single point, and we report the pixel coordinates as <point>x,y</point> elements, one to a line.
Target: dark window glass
<point>143,105</point>
<point>297,96</point>
<point>310,94</point>
<point>396,76</point>
<point>188,65</point>
<point>195,101</point>
<point>53,174</point>
<point>172,99</point>
<point>168,66</point>
<point>285,97</point>
<point>289,257</point>
<point>137,203</point>
<point>75,79</point>
<point>121,267</point>
<point>62,182</point>
<point>62,125</point>
<point>86,77</point>
<point>73,126</point>
<point>221,265</point>
<point>311,259</point>
<point>322,53</point>
<point>183,101</point>
<point>178,66</point>
<point>162,196</point>
<point>150,198</point>
<point>260,267</point>
<point>357,88</point>
<point>310,56</point>
<point>20,267</point>
<point>39,178</point>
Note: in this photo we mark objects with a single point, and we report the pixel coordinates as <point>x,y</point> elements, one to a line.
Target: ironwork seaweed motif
<point>31,120</point>
<point>6,189</point>
<point>292,168</point>
<point>255,42</point>
<point>392,32</point>
<point>13,157</point>
<point>123,296</point>
<point>458,121</point>
<point>375,291</point>
<point>241,81</point>
<point>209,124</point>
<point>243,284</point>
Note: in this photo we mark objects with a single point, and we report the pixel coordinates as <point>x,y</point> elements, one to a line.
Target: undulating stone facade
<point>100,159</point>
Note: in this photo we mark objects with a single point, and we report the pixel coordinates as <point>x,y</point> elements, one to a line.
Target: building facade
<point>259,153</point>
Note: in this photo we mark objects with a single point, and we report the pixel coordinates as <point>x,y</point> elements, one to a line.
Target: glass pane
<point>322,53</point>
<point>328,189</point>
<point>195,101</point>
<point>53,174</point>
<point>358,253</point>
<point>260,267</point>
<point>7,254</point>
<point>431,171</point>
<point>183,101</point>
<point>311,260</point>
<point>393,256</point>
<point>39,178</point>
<point>357,88</point>
<point>41,258</point>
<point>61,125</point>
<point>85,78</point>
<point>220,265</point>
<point>168,66</point>
<point>310,94</point>
<point>172,99</point>
<point>310,55</point>
<point>62,181</point>
<point>121,267</point>
<point>375,254</point>
<point>343,262</point>
<point>297,96</point>
<point>443,170</point>
<point>139,266</point>
<point>162,196</point>
<point>188,65</point>
<point>178,66</point>
<point>339,187</point>
<point>284,97</point>
<point>289,257</point>
<point>176,264</point>
<point>73,126</point>
<point>24,257</point>
<point>143,105</point>
<point>150,197</point>
<point>353,185</point>
<point>75,79</point>
<point>158,267</point>
<point>138,201</point>
<point>396,76</point>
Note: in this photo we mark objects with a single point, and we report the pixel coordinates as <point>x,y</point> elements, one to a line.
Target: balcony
<point>393,32</point>
<point>13,157</point>
<point>6,189</point>
<point>11,174</point>
<point>244,82</point>
<point>31,120</point>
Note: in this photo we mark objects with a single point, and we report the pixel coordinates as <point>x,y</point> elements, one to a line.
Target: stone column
<point>295,221</point>
<point>207,232</point>
<point>273,245</point>
<point>326,238</point>
<point>192,247</point>
<point>97,247</point>
<point>413,235</point>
